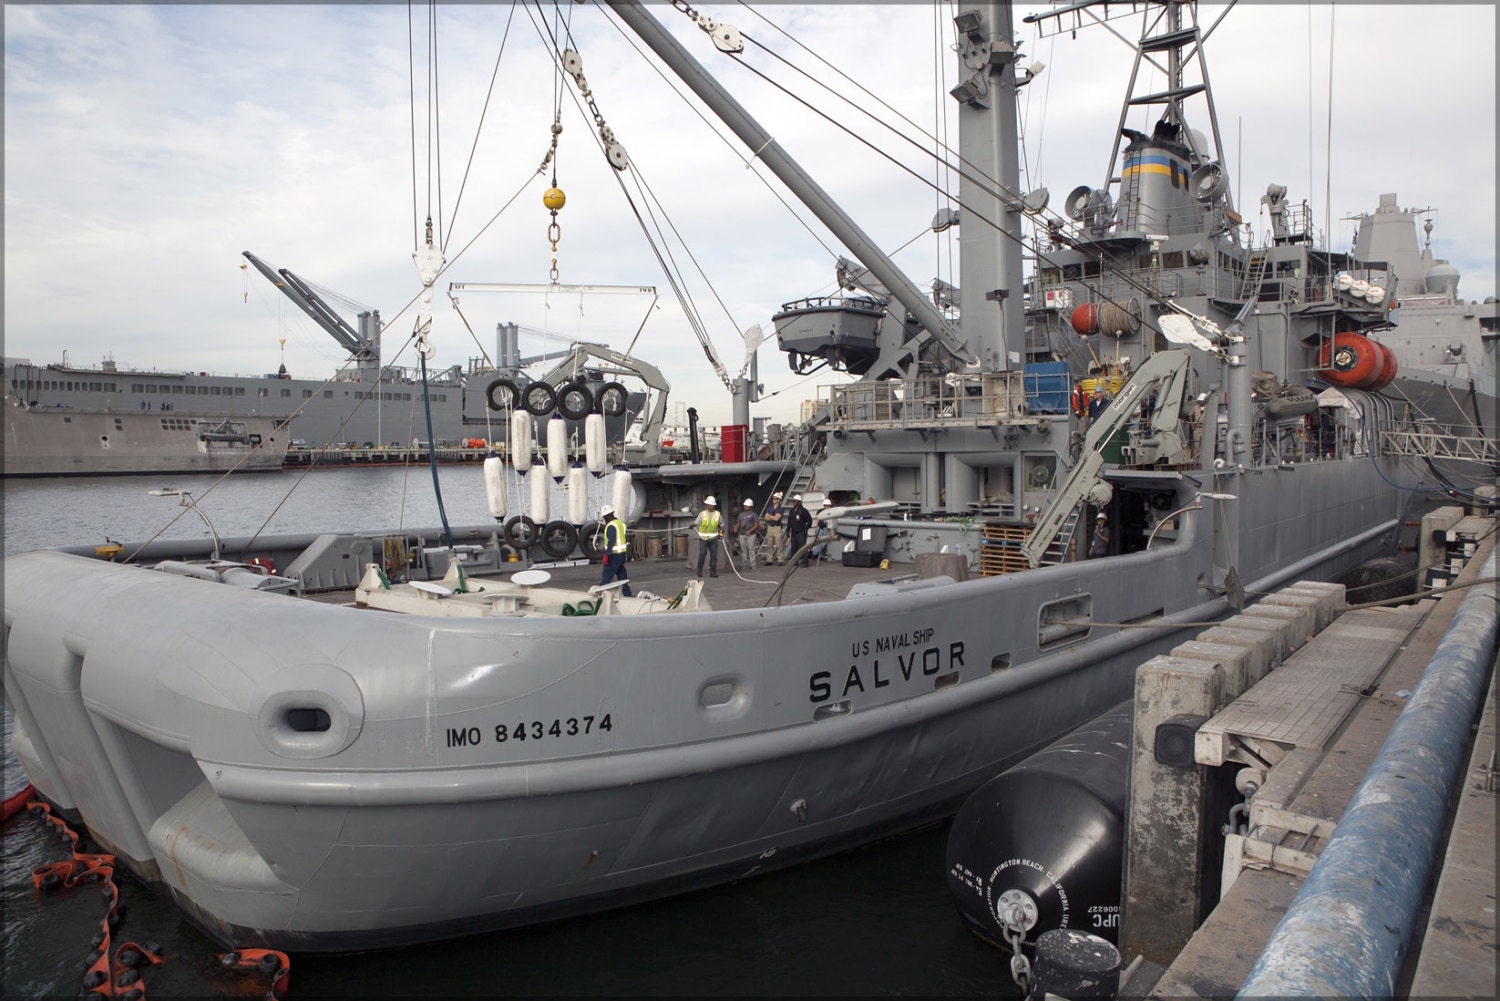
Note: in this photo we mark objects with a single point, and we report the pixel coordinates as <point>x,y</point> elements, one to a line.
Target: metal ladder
<point>1061,548</point>
<point>807,464</point>
<point>1255,275</point>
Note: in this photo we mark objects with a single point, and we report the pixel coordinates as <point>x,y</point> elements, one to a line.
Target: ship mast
<point>989,241</point>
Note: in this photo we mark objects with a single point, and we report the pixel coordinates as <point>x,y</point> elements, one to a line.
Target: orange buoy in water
<point>1353,361</point>
<point>1085,318</point>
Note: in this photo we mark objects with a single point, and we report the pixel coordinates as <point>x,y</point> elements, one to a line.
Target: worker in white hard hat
<point>747,528</point>
<point>710,529</point>
<point>799,522</point>
<point>1099,546</point>
<point>616,549</point>
<point>774,518</point>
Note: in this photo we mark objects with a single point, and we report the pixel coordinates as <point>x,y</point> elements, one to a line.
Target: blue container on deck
<point>1047,387</point>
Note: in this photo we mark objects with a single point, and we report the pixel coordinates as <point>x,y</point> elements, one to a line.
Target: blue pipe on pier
<point>1347,931</point>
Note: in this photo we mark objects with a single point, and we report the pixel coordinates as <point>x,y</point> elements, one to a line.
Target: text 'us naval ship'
<point>262,726</point>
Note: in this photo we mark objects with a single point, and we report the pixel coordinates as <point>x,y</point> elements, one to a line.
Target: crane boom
<point>363,348</point>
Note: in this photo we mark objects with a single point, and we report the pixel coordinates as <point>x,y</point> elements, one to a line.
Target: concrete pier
<point>1321,697</point>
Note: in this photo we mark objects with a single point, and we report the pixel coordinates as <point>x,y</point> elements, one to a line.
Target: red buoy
<point>1353,361</point>
<point>1085,318</point>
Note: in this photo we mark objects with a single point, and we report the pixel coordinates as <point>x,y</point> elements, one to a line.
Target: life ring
<point>520,532</point>
<point>507,400</point>
<point>558,539</point>
<point>612,399</point>
<point>591,540</point>
<point>539,399</point>
<point>574,401</point>
<point>263,563</point>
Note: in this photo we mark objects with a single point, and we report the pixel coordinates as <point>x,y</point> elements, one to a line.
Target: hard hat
<point>711,501</point>
<point>1102,517</point>
<point>749,502</point>
<point>827,502</point>
<point>777,494</point>
<point>606,510</point>
<point>797,497</point>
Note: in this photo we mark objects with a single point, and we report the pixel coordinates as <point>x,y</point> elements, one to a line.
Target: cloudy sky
<point>146,146</point>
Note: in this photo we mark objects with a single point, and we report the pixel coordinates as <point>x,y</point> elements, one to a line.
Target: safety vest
<point>620,545</point>
<point>708,525</point>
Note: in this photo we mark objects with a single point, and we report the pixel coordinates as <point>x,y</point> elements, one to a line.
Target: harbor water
<point>873,921</point>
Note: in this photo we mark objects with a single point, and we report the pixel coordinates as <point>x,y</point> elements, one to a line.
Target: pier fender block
<point>1175,738</point>
<point>309,711</point>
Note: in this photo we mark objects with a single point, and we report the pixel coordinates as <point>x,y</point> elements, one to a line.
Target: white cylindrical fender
<point>541,498</point>
<point>520,441</point>
<point>620,495</point>
<point>494,485</point>
<point>593,440</point>
<point>578,494</point>
<point>557,448</point>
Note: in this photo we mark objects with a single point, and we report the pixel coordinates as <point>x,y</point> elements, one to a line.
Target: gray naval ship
<point>63,419</point>
<point>374,738</point>
<point>1448,348</point>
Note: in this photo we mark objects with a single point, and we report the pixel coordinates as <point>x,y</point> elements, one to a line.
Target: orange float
<point>1353,361</point>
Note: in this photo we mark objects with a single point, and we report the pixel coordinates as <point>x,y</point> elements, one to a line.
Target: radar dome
<point>1442,278</point>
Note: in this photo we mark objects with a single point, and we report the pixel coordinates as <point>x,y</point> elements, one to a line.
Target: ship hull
<point>58,442</point>
<point>481,774</point>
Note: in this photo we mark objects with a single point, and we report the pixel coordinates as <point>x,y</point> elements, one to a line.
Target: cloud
<point>146,146</point>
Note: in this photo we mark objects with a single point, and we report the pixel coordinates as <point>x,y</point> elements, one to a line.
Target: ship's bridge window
<point>286,392</point>
<point>136,387</point>
<point>327,394</point>
<point>239,390</point>
<point>1091,269</point>
<point>96,386</point>
<point>150,388</point>
<point>214,390</point>
<point>177,390</point>
<point>109,387</point>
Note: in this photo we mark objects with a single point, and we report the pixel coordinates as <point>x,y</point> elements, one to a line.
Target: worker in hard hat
<point>774,520</point>
<point>1099,546</point>
<point>710,529</point>
<point>616,549</point>
<point>799,521</point>
<point>747,527</point>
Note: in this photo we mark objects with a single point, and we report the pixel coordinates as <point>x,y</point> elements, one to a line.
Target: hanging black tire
<point>558,539</point>
<point>539,399</point>
<point>574,401</point>
<point>502,394</point>
<point>520,532</point>
<point>612,399</point>
<point>591,540</point>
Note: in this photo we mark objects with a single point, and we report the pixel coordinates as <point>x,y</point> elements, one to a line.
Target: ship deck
<point>826,580</point>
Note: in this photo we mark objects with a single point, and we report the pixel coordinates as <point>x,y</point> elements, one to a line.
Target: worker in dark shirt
<point>1100,544</point>
<point>798,523</point>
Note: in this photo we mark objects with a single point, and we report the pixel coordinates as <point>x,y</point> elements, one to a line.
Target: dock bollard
<point>1074,964</point>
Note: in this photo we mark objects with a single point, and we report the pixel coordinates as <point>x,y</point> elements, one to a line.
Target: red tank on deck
<point>1353,361</point>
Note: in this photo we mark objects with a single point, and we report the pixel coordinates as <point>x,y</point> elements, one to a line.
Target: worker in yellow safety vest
<point>710,528</point>
<point>616,549</point>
